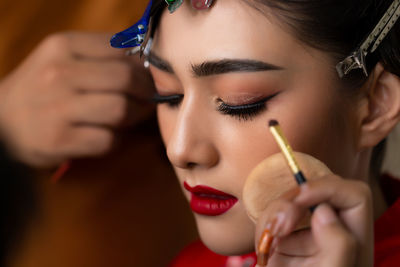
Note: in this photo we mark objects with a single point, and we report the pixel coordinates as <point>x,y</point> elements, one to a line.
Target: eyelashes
<point>171,100</point>
<point>241,112</point>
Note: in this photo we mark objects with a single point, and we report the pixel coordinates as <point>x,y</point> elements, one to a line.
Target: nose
<point>191,143</point>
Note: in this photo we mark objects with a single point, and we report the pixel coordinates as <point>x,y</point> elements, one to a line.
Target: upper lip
<point>206,191</point>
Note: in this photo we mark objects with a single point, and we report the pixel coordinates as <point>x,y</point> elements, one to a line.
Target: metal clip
<point>356,60</point>
<point>135,35</point>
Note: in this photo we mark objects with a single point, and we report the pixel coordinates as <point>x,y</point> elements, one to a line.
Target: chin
<point>227,234</point>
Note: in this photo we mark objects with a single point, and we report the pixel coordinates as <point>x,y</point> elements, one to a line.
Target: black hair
<point>334,26</point>
<point>339,27</point>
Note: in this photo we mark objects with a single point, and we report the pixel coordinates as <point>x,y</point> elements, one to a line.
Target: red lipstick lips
<point>209,201</point>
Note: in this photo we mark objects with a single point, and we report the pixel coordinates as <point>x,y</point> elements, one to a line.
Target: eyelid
<point>171,100</point>
<point>159,97</point>
<point>245,111</point>
<point>249,103</point>
<point>242,109</point>
<point>165,83</point>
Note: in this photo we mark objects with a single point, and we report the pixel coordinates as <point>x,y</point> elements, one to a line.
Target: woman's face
<point>222,74</point>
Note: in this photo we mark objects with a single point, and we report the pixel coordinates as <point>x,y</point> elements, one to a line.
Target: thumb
<point>337,247</point>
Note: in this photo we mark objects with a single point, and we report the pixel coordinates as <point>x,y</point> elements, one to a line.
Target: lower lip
<point>211,204</point>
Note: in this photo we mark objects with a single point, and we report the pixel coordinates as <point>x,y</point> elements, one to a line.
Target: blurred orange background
<point>25,23</point>
<point>124,209</point>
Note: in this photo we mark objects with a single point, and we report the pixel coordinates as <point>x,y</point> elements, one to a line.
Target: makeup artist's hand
<point>69,97</point>
<point>341,232</point>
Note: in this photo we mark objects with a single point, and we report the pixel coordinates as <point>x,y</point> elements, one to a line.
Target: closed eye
<point>170,100</point>
<point>246,111</point>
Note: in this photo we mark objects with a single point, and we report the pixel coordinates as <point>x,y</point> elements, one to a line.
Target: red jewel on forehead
<point>201,4</point>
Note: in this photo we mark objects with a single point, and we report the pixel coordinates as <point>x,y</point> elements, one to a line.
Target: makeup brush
<point>266,239</point>
<point>287,151</point>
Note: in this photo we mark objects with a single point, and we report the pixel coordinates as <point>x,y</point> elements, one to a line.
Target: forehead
<point>231,28</point>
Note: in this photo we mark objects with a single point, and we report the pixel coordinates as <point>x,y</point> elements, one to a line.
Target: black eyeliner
<point>171,100</point>
<point>247,111</point>
<point>243,111</point>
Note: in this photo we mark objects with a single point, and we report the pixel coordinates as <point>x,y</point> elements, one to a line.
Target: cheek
<point>323,130</point>
<point>242,145</point>
<point>318,128</point>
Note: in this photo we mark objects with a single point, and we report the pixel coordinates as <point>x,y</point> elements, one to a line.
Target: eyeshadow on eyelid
<point>161,81</point>
<point>241,99</point>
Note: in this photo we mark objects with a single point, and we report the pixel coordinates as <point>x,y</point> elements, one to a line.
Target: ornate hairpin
<point>173,5</point>
<point>356,60</point>
<point>136,36</point>
<point>201,4</point>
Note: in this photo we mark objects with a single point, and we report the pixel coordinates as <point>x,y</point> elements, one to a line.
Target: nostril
<point>190,165</point>
<point>189,151</point>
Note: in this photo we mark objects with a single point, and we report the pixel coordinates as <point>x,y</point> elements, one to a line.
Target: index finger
<point>90,45</point>
<point>350,198</point>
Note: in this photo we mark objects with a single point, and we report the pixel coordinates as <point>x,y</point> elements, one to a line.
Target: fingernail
<point>263,248</point>
<point>325,214</point>
<point>262,260</point>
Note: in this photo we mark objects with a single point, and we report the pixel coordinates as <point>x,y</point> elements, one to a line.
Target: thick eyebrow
<point>216,67</point>
<point>159,63</point>
<point>231,65</point>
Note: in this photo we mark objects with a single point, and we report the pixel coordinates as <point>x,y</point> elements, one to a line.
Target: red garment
<point>198,255</point>
<point>387,238</point>
<point>387,231</point>
<point>387,241</point>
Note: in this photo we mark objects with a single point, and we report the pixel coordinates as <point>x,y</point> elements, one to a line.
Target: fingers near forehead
<point>92,45</point>
<point>100,75</point>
